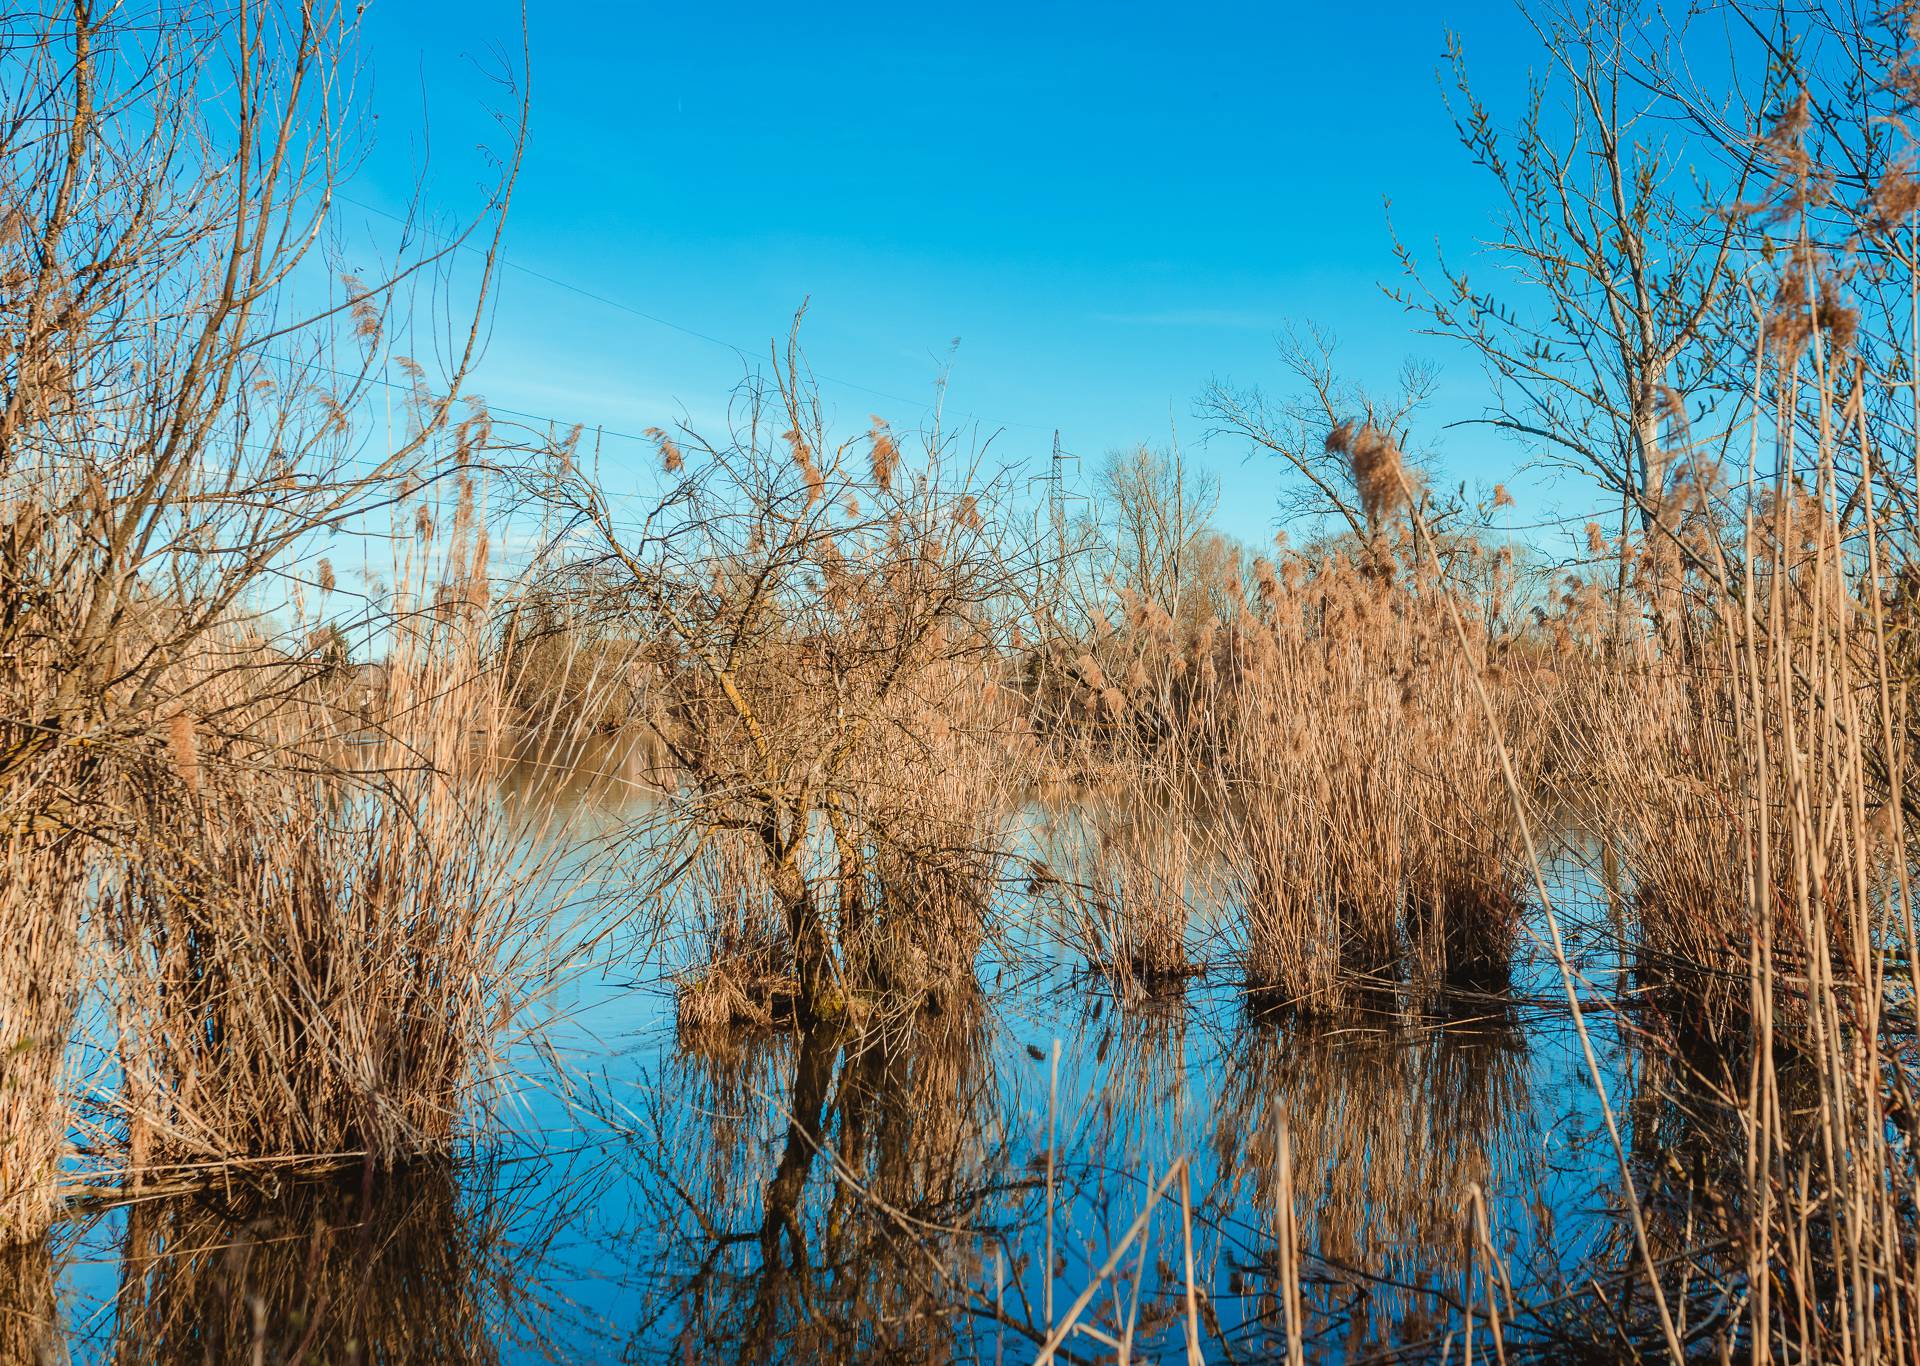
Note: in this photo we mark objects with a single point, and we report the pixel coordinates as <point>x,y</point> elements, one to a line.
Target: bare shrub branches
<point>818,620</point>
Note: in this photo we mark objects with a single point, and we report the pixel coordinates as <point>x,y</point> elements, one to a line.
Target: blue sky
<point>1108,207</point>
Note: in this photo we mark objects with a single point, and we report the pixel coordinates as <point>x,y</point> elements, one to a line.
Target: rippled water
<point>890,1196</point>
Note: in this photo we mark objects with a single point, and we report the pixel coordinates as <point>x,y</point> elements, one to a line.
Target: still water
<point>948,1191</point>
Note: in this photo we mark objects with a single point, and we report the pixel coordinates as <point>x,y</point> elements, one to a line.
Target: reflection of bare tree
<point>1391,1121</point>
<point>887,1195</point>
<point>398,1268</point>
<point>30,1330</point>
<point>875,1160</point>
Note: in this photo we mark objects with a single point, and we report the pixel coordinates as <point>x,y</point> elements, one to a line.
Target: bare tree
<point>1624,262</point>
<point>175,426</point>
<point>819,621</point>
<point>1317,427</point>
<point>1151,512</point>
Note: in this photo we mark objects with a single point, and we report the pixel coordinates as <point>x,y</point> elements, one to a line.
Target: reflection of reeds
<point>395,1270</point>
<point>1388,1127</point>
<point>30,1328</point>
<point>1144,1083</point>
<point>919,1119</point>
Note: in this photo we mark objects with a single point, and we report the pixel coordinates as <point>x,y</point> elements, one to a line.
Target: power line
<point>624,307</point>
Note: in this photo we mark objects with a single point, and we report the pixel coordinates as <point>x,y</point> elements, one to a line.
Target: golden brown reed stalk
<point>1825,899</point>
<point>41,978</point>
<point>1748,762</point>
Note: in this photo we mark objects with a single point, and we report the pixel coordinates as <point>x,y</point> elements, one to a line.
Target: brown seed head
<point>884,454</point>
<point>184,748</point>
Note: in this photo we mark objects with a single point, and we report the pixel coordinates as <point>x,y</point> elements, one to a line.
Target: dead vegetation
<point>821,620</point>
<point>178,432</point>
<point>847,661</point>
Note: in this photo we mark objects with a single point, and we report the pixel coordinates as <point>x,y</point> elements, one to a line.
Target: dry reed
<point>323,937</point>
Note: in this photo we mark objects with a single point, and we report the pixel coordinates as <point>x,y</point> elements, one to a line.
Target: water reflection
<point>817,1195</point>
<point>886,1196</point>
<point>31,1331</point>
<point>1391,1118</point>
<point>938,1188</point>
<point>388,1268</point>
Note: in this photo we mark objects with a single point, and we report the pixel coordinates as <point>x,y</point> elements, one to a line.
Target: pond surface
<point>902,1195</point>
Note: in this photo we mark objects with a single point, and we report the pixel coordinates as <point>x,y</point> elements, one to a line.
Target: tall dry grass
<point>1321,744</point>
<point>328,929</point>
<point>1778,893</point>
<point>1133,876</point>
<point>41,975</point>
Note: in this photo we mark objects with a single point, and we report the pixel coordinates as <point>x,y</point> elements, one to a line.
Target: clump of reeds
<point>1466,864</point>
<point>1324,727</point>
<point>320,940</point>
<point>1372,829</point>
<point>940,797</point>
<point>160,464</point>
<point>44,866</point>
<point>1316,766</point>
<point>1136,857</point>
<point>1135,880</point>
<point>566,672</point>
<point>1700,790</point>
<point>41,973</point>
<point>741,963</point>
